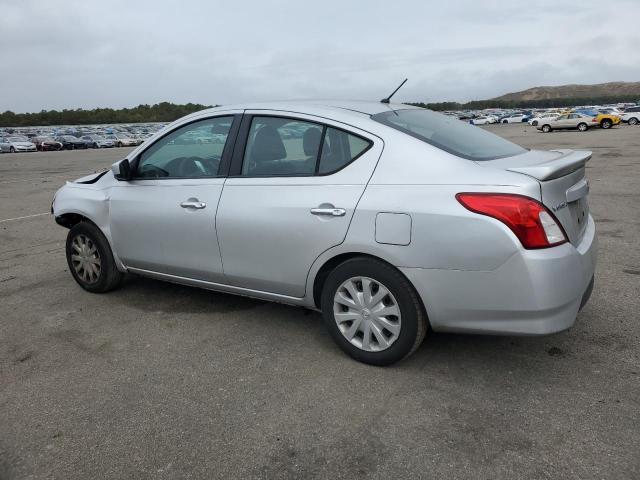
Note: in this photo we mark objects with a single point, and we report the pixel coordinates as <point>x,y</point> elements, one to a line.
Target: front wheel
<point>372,311</point>
<point>90,259</point>
<point>606,124</point>
<point>633,121</point>
<point>12,150</point>
<point>583,127</point>
<point>546,128</point>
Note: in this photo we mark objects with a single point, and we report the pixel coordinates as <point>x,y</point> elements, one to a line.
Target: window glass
<point>339,149</point>
<point>191,151</point>
<point>281,146</point>
<point>449,134</point>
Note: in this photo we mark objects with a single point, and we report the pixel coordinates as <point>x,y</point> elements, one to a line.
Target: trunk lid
<point>563,185</point>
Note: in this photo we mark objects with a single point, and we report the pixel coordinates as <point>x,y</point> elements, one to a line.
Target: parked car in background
<point>545,116</point>
<point>97,141</point>
<point>392,220</point>
<point>603,120</point>
<point>46,144</point>
<point>121,140</point>
<point>69,142</point>
<point>482,120</point>
<point>16,143</point>
<point>517,118</point>
<point>631,115</point>
<point>567,121</point>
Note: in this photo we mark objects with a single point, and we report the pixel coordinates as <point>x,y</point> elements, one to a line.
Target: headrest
<point>268,145</point>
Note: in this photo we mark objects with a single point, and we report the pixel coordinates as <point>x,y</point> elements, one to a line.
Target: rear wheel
<point>606,123</point>
<point>90,259</point>
<point>372,311</point>
<point>583,127</point>
<point>633,121</point>
<point>12,150</point>
<point>546,128</point>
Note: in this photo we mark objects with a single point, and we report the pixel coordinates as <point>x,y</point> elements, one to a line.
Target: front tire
<point>633,121</point>
<point>90,259</point>
<point>546,128</point>
<point>606,124</point>
<point>372,311</point>
<point>12,150</point>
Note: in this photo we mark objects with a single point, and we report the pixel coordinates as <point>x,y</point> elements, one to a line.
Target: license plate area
<point>579,214</point>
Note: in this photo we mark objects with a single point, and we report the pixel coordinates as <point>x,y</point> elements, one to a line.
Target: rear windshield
<point>449,134</point>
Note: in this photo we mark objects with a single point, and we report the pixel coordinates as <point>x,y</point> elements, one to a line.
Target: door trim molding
<point>221,287</point>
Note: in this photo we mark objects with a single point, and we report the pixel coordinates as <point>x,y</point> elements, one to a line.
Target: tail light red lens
<point>533,224</point>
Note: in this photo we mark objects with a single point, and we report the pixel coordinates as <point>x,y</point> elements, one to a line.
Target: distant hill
<point>611,89</point>
<point>545,97</point>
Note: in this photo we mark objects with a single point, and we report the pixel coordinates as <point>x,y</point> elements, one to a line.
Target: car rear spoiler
<point>568,161</point>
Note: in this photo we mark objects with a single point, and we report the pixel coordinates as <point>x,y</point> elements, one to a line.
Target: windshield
<point>449,134</point>
<point>18,139</point>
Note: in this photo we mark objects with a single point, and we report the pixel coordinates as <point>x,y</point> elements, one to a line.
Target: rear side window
<point>278,146</point>
<point>449,134</point>
<point>339,149</point>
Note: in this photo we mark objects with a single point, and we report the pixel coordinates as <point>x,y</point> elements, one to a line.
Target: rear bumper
<point>535,292</point>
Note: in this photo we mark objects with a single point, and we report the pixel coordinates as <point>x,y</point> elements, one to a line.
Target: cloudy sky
<point>90,53</point>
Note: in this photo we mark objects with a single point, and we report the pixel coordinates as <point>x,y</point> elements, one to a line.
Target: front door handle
<point>193,204</point>
<point>331,212</point>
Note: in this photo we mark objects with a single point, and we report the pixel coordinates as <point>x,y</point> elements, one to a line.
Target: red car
<point>45,144</point>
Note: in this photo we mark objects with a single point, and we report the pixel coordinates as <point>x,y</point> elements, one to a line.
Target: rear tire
<point>90,259</point>
<point>633,121</point>
<point>606,124</point>
<point>12,150</point>
<point>546,128</point>
<point>583,127</point>
<point>406,330</point>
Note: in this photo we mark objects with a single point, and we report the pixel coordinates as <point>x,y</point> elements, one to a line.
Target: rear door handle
<point>193,204</point>
<point>332,212</point>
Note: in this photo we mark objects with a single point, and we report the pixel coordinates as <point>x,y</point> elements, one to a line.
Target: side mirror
<point>122,170</point>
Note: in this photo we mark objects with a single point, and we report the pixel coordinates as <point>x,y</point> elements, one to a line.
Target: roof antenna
<point>386,100</point>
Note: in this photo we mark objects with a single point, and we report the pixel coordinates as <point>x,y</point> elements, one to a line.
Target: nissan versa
<point>389,219</point>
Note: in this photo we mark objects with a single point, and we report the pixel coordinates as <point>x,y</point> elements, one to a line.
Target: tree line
<point>168,112</point>
<point>542,103</point>
<point>160,112</point>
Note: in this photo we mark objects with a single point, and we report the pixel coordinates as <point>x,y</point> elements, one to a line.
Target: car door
<point>163,220</point>
<point>294,184</point>
<point>561,121</point>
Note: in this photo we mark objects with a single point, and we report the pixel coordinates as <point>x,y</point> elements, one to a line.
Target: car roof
<point>319,107</point>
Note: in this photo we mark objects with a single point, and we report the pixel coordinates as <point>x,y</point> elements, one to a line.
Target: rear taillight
<point>528,219</point>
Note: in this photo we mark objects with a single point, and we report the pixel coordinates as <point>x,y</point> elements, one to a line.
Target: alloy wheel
<point>85,259</point>
<point>367,314</point>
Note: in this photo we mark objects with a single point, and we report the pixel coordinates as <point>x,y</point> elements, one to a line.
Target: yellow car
<point>603,120</point>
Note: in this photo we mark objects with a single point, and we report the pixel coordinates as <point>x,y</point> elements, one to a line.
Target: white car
<point>16,143</point>
<point>514,119</point>
<point>545,116</point>
<point>482,121</point>
<point>631,115</point>
<point>122,140</point>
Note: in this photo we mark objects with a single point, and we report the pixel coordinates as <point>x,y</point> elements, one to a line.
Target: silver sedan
<point>391,220</point>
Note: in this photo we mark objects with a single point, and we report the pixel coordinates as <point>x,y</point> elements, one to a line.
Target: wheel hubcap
<point>367,314</point>
<point>86,259</point>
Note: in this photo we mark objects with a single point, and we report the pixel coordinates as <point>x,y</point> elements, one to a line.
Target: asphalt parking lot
<point>162,381</point>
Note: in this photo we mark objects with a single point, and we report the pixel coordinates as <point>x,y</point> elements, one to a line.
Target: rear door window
<point>278,146</point>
